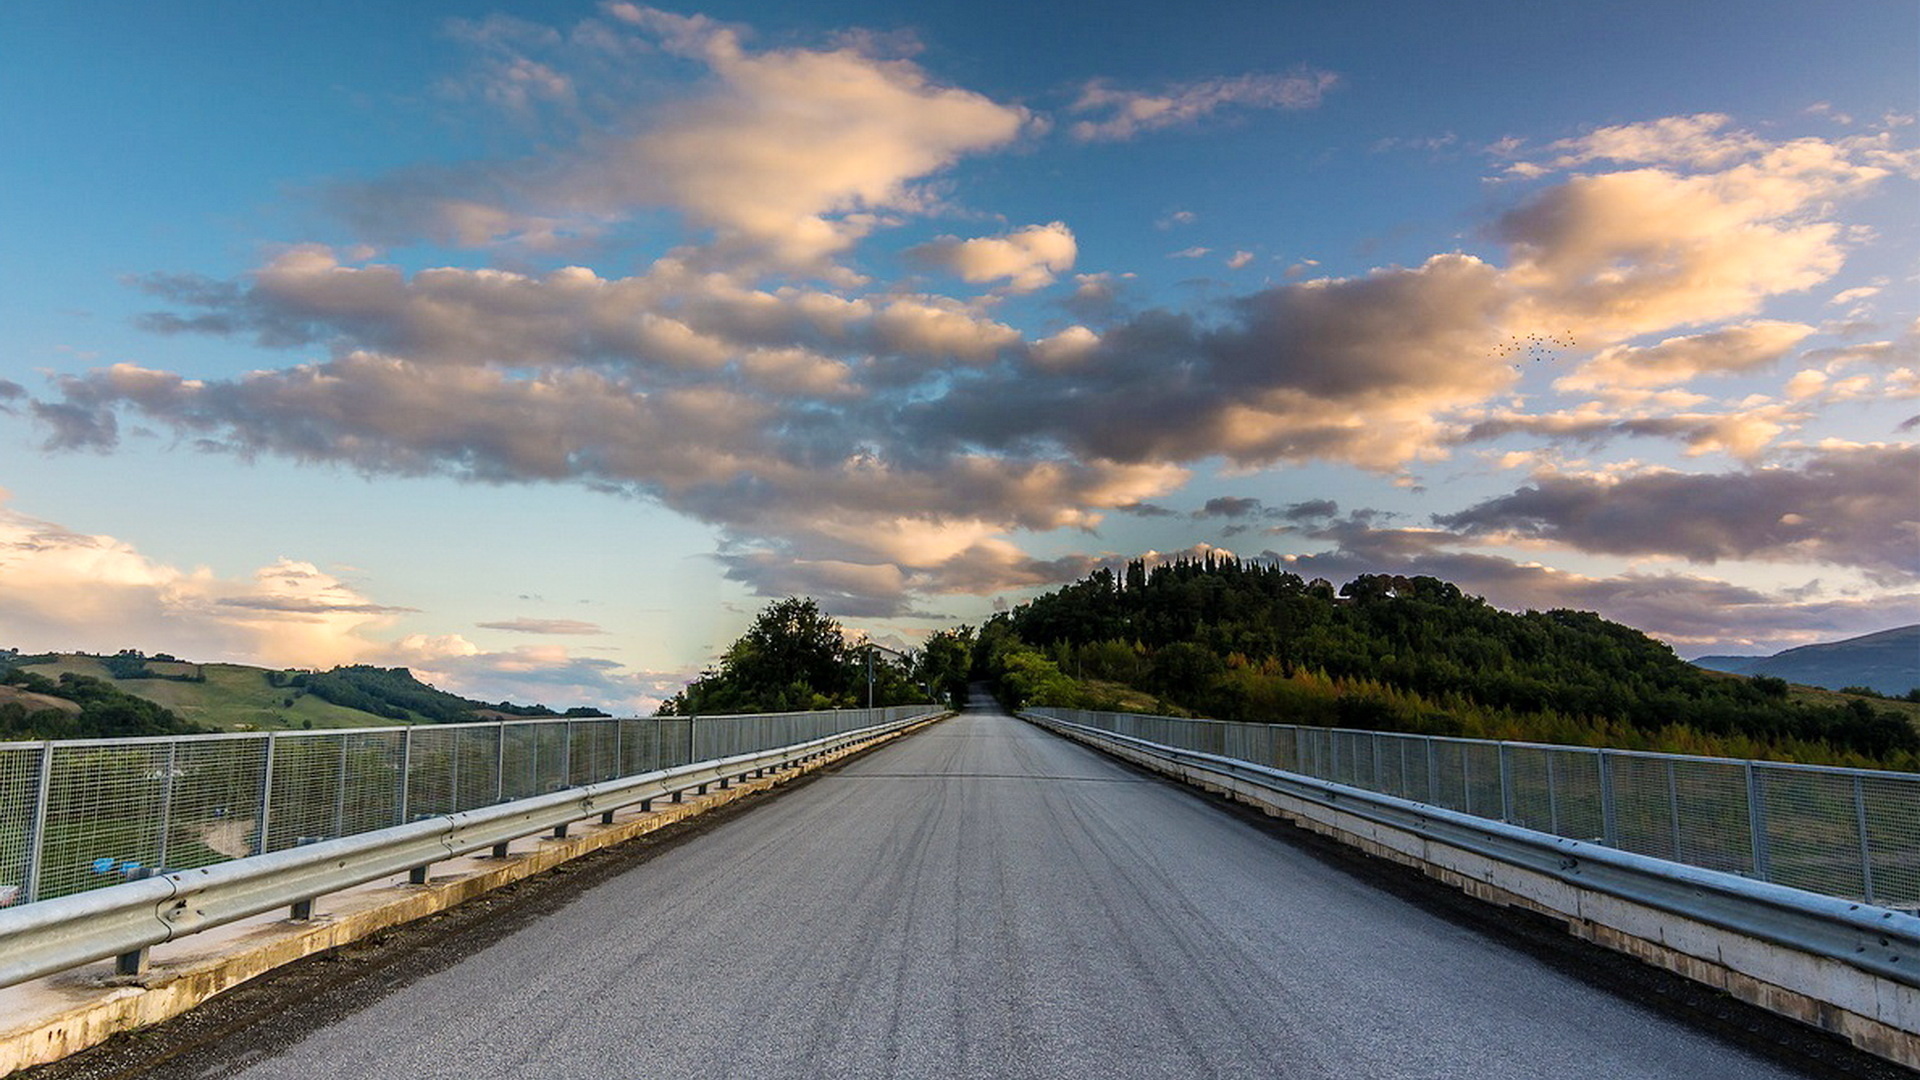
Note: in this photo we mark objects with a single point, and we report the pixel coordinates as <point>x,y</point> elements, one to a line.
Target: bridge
<point>989,896</point>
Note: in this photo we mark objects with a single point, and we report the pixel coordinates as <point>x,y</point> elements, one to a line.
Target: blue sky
<point>536,345</point>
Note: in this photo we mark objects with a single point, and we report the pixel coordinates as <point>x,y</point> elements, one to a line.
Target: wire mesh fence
<point>1851,833</point>
<point>84,813</point>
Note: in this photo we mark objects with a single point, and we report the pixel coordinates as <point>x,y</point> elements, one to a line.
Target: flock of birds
<point>1534,347</point>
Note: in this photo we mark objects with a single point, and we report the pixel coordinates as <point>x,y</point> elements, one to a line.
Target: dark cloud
<point>78,425</point>
<point>1310,510</point>
<point>1853,507</point>
<point>1229,506</point>
<point>1149,510</point>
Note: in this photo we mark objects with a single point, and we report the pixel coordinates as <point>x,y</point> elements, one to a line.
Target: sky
<point>537,345</point>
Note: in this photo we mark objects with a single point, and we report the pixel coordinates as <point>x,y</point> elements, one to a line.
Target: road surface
<point>984,899</point>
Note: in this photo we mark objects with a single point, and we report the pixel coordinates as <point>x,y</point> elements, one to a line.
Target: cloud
<point>1027,259</point>
<point>534,674</point>
<point>749,381</point>
<point>1846,507</point>
<point>1730,350</point>
<point>1123,114</point>
<point>791,155</point>
<point>543,626</point>
<point>1229,506</point>
<point>1360,370</point>
<point>64,590</point>
<point>1744,433</point>
<point>1239,259</point>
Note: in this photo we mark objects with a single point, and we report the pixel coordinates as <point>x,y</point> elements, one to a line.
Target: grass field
<point>235,697</point>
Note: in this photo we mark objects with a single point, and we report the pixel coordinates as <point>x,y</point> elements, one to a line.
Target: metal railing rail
<point>82,814</point>
<point>1848,833</point>
<point>126,919</point>
<point>1877,940</point>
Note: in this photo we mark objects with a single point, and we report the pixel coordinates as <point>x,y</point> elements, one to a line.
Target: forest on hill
<point>1252,641</point>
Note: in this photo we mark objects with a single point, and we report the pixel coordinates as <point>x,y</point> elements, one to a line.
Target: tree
<point>793,657</point>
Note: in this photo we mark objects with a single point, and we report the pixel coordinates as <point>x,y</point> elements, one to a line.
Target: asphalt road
<point>983,899</point>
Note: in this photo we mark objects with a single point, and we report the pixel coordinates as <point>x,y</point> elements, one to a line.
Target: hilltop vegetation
<point>1255,642</point>
<point>41,696</point>
<point>794,657</point>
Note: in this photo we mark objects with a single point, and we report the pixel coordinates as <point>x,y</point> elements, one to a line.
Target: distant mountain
<point>1888,661</point>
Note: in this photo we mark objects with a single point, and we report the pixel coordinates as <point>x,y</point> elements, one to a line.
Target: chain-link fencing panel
<point>1810,836</point>
<point>19,812</point>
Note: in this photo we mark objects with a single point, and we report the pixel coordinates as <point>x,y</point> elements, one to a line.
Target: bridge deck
<point>986,900</point>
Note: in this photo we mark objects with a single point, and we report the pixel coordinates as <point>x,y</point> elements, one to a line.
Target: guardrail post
<point>1757,823</point>
<point>130,963</point>
<point>265,818</point>
<point>37,843</point>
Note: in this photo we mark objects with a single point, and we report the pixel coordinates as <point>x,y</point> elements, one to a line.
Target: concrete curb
<point>64,1014</point>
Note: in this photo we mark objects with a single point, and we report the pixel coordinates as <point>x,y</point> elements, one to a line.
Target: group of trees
<point>1253,641</point>
<point>104,711</point>
<point>796,657</point>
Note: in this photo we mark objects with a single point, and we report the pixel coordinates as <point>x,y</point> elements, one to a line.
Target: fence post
<point>265,817</point>
<point>1673,808</point>
<point>1506,783</point>
<point>406,773</point>
<point>1866,848</point>
<point>1553,797</point>
<point>1609,817</point>
<point>37,846</point>
<point>500,763</point>
<point>566,753</point>
<point>340,796</point>
<point>166,806</point>
<point>1757,822</point>
<point>691,744</point>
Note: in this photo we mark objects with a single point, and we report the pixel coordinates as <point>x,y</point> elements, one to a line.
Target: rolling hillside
<point>236,697</point>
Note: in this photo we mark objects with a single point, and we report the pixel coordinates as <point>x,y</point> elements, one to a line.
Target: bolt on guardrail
<point>1848,833</point>
<point>80,814</point>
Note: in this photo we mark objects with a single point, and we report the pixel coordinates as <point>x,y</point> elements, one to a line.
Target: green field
<point>235,697</point>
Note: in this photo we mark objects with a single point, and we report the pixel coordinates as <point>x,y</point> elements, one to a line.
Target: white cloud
<point>1027,259</point>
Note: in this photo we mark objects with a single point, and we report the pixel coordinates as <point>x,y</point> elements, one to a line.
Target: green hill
<point>233,697</point>
<point>1254,642</point>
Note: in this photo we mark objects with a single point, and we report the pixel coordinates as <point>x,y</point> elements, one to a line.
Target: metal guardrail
<point>82,814</point>
<point>126,919</point>
<point>1848,833</point>
<point>1883,942</point>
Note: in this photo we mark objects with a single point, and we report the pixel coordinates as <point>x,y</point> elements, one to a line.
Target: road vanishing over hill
<point>983,899</point>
